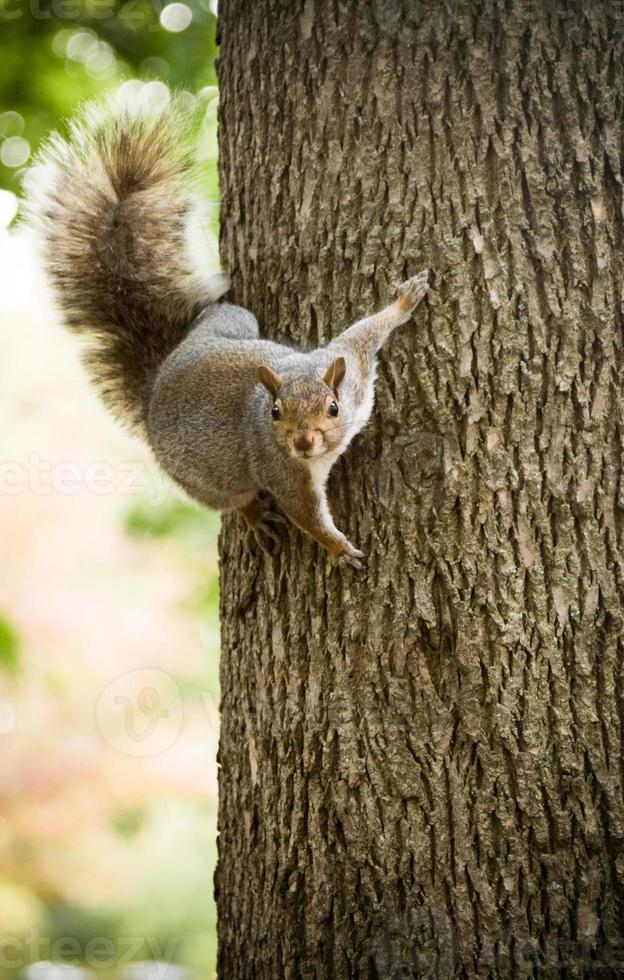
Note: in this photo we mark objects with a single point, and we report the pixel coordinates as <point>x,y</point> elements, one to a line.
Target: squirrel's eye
<point>275,413</point>
<point>333,410</point>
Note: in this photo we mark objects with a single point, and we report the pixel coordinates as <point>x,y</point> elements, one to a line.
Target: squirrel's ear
<point>335,374</point>
<point>271,381</point>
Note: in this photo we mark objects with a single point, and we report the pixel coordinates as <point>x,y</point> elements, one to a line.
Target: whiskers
<point>338,428</point>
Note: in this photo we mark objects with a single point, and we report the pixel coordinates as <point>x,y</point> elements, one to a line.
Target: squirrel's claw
<point>267,538</point>
<point>274,517</point>
<point>352,561</point>
<point>352,557</point>
<point>260,519</point>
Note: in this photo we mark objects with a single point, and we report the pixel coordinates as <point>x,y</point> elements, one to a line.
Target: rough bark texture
<point>422,767</point>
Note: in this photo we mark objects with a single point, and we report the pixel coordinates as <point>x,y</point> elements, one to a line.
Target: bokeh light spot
<point>187,99</point>
<point>61,38</point>
<point>156,95</point>
<point>80,45</point>
<point>100,61</point>
<point>155,67</point>
<point>208,93</point>
<point>11,124</point>
<point>15,151</point>
<point>130,90</point>
<point>176,17</point>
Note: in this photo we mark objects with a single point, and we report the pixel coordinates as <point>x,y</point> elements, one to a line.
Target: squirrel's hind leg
<point>259,518</point>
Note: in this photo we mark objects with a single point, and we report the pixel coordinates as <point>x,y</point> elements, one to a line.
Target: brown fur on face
<point>304,427</point>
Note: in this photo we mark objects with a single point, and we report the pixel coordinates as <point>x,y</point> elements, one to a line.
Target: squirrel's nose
<point>304,440</point>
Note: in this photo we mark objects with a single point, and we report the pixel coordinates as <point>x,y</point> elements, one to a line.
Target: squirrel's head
<point>305,411</point>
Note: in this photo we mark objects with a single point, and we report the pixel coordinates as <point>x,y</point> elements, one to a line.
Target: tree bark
<point>422,767</point>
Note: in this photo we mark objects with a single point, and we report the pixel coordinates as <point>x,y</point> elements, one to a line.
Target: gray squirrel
<point>233,419</point>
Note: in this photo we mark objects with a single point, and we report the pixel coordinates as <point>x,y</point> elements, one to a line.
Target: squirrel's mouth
<point>313,453</point>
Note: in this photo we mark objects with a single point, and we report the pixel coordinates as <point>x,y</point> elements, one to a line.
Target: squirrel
<point>238,422</point>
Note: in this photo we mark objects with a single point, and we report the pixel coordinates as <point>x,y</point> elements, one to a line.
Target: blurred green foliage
<point>58,53</point>
<point>9,647</point>
<point>173,517</point>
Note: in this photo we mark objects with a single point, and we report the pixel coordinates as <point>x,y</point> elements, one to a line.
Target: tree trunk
<point>422,766</point>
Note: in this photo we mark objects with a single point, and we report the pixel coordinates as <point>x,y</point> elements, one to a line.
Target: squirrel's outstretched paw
<point>413,290</point>
<point>352,557</point>
<point>352,561</point>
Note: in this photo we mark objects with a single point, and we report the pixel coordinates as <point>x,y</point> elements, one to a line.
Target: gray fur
<point>113,206</point>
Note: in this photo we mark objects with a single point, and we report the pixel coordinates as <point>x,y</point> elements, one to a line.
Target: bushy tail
<point>114,210</point>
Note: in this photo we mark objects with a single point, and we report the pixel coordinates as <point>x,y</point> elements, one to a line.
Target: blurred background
<point>108,581</point>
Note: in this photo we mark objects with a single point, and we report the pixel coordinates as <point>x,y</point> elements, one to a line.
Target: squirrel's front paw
<point>413,291</point>
<point>352,556</point>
